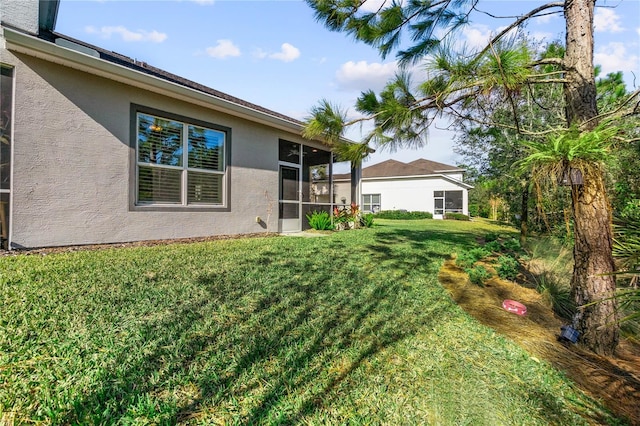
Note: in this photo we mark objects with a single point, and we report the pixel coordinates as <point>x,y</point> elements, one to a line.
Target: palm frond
<point>327,121</point>
<point>569,149</point>
<point>352,152</point>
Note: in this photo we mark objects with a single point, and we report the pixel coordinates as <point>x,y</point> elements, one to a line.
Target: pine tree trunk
<point>597,322</point>
<point>591,211</point>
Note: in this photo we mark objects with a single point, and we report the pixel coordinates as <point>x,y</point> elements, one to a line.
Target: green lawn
<point>352,328</point>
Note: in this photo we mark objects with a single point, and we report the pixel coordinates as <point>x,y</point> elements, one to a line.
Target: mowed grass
<point>352,328</point>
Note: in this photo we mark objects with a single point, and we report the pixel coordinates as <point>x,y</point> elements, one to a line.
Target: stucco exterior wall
<point>411,194</point>
<point>20,14</point>
<point>72,154</point>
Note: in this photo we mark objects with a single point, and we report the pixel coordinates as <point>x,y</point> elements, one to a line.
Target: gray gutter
<point>48,14</point>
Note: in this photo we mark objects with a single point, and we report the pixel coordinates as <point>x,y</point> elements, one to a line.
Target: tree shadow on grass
<point>270,338</point>
<point>359,323</point>
<point>428,249</point>
<point>446,238</point>
<point>266,340</point>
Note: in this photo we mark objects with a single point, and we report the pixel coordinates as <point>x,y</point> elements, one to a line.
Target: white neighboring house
<point>421,185</point>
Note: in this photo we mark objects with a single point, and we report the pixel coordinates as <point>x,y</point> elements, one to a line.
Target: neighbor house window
<point>447,202</point>
<point>371,203</point>
<point>179,163</point>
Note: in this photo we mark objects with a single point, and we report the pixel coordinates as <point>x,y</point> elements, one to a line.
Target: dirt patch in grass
<point>614,380</point>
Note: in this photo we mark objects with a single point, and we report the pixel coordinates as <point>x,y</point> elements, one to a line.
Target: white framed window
<point>179,163</point>
<point>371,202</point>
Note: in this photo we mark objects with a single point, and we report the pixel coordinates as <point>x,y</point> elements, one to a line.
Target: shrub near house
<point>403,215</point>
<point>343,218</point>
<point>456,216</point>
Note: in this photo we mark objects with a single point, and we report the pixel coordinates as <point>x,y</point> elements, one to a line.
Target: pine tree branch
<point>619,112</point>
<point>517,23</point>
<point>492,123</point>
<point>504,79</point>
<point>548,81</point>
<point>548,61</point>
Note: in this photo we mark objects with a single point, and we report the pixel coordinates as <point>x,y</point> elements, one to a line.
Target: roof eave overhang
<point>33,46</point>
<point>431,176</point>
<point>450,171</point>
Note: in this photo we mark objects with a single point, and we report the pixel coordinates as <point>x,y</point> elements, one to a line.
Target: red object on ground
<point>515,307</point>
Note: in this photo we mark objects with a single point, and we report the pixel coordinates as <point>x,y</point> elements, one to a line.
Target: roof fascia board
<point>33,46</point>
<point>445,177</point>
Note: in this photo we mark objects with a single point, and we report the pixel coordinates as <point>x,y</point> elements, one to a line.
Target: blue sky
<point>274,53</point>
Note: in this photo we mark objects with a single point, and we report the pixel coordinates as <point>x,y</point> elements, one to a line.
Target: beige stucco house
<point>99,148</point>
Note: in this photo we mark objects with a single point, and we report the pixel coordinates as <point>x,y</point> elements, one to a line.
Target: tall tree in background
<point>497,73</point>
<point>625,167</point>
<point>496,148</point>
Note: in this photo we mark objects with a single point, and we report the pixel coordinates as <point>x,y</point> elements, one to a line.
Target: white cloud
<point>638,31</point>
<point>476,36</point>
<point>203,2</point>
<point>362,75</point>
<point>374,5</point>
<point>287,53</point>
<point>128,35</point>
<point>614,57</point>
<point>607,20</point>
<point>260,54</point>
<point>223,49</point>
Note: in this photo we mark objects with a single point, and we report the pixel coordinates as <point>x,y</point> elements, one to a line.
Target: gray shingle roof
<point>393,168</point>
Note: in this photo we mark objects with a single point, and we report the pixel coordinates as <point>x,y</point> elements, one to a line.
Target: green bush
<point>507,267</point>
<point>320,220</point>
<point>512,245</point>
<point>491,236</point>
<point>367,220</point>
<point>403,215</point>
<point>478,275</point>
<point>493,246</point>
<point>468,258</point>
<point>478,210</point>
<point>456,216</point>
<point>631,211</point>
